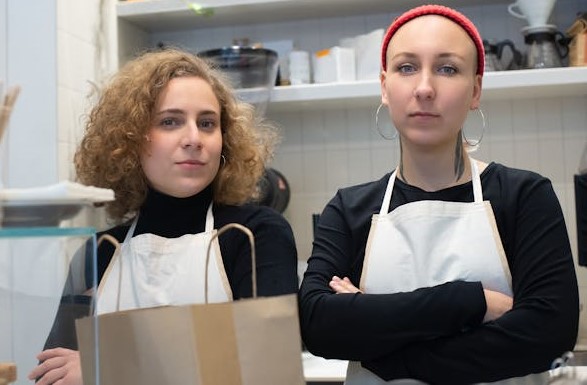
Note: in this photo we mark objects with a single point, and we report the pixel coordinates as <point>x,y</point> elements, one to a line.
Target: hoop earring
<point>477,142</point>
<point>223,159</point>
<point>394,136</point>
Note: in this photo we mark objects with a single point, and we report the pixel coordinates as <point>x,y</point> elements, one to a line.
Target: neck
<point>433,172</point>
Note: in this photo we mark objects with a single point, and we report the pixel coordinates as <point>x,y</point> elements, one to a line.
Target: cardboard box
<point>578,45</point>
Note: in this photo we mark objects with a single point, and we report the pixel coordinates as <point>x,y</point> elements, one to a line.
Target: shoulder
<point>511,177</point>
<point>106,248</point>
<point>353,207</point>
<point>514,186</point>
<point>250,215</point>
<point>358,195</point>
<point>118,232</point>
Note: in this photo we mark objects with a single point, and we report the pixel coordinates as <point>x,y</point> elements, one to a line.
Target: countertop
<point>318,369</point>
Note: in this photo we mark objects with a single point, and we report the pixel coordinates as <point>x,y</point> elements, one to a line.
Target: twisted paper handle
<point>249,234</point>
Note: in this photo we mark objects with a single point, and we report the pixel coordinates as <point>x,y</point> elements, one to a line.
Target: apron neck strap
<point>387,197</point>
<point>209,219</point>
<point>475,178</point>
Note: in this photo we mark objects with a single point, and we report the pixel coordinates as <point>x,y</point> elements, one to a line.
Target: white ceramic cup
<point>536,12</point>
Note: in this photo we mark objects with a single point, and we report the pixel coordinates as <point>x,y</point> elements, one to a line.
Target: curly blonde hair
<point>115,134</point>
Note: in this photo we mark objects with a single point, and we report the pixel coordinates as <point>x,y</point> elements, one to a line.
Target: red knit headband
<point>440,10</point>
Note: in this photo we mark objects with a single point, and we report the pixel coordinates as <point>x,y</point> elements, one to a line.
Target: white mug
<point>536,12</point>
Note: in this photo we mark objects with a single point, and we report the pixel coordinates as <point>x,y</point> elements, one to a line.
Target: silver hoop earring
<point>394,136</point>
<point>476,143</point>
<point>223,158</point>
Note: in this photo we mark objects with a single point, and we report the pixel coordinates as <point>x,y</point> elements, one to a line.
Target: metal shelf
<point>174,15</point>
<point>528,84</point>
<point>22,232</point>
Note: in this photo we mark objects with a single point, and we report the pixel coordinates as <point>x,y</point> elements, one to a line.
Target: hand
<point>58,366</point>
<point>497,304</point>
<point>343,285</point>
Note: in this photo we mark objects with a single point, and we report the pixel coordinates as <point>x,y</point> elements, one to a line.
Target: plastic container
<point>252,71</point>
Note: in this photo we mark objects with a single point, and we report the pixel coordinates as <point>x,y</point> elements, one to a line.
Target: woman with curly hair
<point>183,157</point>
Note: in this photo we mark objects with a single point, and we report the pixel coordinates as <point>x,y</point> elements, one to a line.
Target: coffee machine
<point>546,47</point>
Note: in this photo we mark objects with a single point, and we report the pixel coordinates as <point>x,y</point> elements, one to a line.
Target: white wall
<point>3,32</point>
<point>86,35</point>
<point>31,49</point>
<point>55,50</point>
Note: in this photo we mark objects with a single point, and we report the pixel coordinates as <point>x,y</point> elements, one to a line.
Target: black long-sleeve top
<point>436,334</point>
<point>171,217</point>
<point>166,216</point>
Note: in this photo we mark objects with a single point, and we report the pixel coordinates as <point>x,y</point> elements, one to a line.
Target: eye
<point>406,68</point>
<point>207,124</point>
<point>448,70</point>
<point>170,122</point>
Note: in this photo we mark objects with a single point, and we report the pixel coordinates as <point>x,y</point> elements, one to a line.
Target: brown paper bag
<point>252,341</point>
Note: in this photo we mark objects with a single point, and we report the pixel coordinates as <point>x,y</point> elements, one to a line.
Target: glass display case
<point>47,278</point>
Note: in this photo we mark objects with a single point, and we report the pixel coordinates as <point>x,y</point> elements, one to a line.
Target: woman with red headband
<point>447,270</point>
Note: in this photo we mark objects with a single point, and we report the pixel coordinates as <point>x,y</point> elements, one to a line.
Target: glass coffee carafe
<point>495,60</point>
<point>546,47</point>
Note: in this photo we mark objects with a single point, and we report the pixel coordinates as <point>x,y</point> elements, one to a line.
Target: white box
<point>336,64</point>
<point>367,48</point>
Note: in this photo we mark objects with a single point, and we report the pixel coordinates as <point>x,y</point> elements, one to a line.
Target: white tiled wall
<point>28,54</point>
<point>324,150</point>
<point>77,54</point>
<point>85,43</point>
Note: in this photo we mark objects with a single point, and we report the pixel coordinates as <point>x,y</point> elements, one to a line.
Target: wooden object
<point>7,373</point>
<point>578,46</point>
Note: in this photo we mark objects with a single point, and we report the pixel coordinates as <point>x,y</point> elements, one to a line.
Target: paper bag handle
<point>116,245</point>
<point>249,234</point>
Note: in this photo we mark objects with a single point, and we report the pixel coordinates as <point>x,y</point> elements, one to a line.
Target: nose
<point>191,136</point>
<point>424,89</point>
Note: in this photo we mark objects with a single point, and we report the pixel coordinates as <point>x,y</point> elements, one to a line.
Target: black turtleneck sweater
<point>170,217</point>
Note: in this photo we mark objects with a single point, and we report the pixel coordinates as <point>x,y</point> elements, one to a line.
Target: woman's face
<point>430,83</point>
<point>182,155</point>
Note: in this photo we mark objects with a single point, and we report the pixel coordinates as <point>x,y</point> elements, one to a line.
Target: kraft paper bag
<point>253,341</point>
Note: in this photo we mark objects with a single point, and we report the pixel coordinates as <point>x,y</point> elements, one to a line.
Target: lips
<point>191,162</point>
<point>424,114</point>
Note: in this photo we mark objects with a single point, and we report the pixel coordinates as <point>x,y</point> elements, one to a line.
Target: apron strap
<point>387,197</point>
<point>475,178</point>
<point>209,219</point>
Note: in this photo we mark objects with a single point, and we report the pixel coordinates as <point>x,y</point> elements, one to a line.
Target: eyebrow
<point>180,111</point>
<point>443,55</point>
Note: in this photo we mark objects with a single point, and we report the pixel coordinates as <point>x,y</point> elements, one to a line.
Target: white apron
<point>427,243</point>
<point>154,271</point>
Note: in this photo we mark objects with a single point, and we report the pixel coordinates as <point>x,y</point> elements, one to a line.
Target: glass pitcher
<point>546,47</point>
<point>495,59</point>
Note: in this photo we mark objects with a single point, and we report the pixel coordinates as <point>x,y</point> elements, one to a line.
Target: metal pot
<point>275,192</point>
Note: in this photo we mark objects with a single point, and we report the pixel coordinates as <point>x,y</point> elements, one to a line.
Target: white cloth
<point>62,192</point>
<point>427,243</point>
<point>150,271</point>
